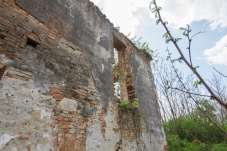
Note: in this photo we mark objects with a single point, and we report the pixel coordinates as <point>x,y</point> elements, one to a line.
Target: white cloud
<point>121,13</point>
<point>218,53</point>
<point>178,13</point>
<point>181,12</point>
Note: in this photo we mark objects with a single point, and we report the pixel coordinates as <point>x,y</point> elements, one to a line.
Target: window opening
<point>120,90</point>
<point>2,36</point>
<point>32,43</point>
<point>116,75</point>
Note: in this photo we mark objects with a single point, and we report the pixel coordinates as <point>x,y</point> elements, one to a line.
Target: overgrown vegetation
<point>126,105</point>
<point>144,47</point>
<point>189,124</point>
<point>186,134</point>
<point>116,71</point>
<point>194,110</point>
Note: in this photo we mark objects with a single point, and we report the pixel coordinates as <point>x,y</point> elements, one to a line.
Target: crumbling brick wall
<point>56,86</point>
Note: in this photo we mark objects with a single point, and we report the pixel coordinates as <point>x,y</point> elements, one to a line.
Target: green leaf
<point>157,21</point>
<point>194,68</point>
<point>197,101</point>
<point>173,60</point>
<point>196,83</point>
<point>177,39</point>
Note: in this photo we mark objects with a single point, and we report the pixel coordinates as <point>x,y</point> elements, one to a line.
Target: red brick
<point>60,118</point>
<point>23,138</point>
<point>115,129</point>
<point>74,116</point>
<point>23,123</point>
<point>63,145</point>
<point>53,124</point>
<point>65,126</point>
<point>29,133</point>
<point>67,123</point>
<point>70,116</point>
<point>72,144</point>
<point>61,122</point>
<point>17,77</point>
<point>33,36</point>
<point>95,103</point>
<point>11,2</point>
<point>56,91</point>
<point>103,123</point>
<point>100,118</point>
<point>60,134</point>
<point>80,121</point>
<point>58,97</point>
<point>41,26</point>
<point>102,112</point>
<point>54,144</point>
<point>65,130</point>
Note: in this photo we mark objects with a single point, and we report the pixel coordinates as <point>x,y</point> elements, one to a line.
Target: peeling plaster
<point>5,139</point>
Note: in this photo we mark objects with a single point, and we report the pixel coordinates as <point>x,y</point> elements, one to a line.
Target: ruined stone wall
<point>56,81</point>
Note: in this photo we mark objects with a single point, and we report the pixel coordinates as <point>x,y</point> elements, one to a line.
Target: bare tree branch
<point>198,106</point>
<point>219,72</point>
<point>159,19</point>
<point>191,92</point>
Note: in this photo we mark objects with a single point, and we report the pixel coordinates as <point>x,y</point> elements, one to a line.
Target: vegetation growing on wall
<point>144,47</point>
<point>128,106</point>
<point>116,71</point>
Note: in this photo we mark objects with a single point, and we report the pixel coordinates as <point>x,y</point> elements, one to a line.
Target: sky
<point>209,49</point>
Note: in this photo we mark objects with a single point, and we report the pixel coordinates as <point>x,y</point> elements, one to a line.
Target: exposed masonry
<point>56,81</point>
<point>2,70</point>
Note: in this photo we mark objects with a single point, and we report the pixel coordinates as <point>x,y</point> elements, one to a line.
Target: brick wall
<point>56,82</point>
